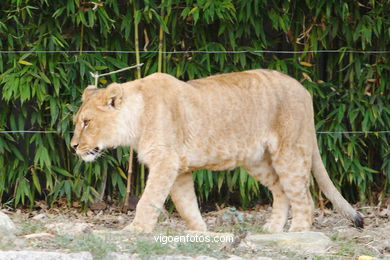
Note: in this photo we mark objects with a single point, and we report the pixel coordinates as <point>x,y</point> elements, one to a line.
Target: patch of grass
<point>351,248</point>
<point>30,227</point>
<point>146,249</point>
<point>97,246</point>
<point>240,227</point>
<point>6,242</point>
<point>290,254</point>
<point>193,249</point>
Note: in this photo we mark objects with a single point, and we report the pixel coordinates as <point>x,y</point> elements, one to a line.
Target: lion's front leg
<point>184,198</point>
<point>160,180</point>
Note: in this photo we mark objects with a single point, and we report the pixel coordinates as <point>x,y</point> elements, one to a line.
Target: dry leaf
<point>24,62</point>
<point>306,64</point>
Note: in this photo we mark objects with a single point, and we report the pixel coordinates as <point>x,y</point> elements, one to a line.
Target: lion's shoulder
<point>160,77</point>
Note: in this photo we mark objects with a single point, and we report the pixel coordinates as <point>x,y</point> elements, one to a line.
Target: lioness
<point>261,120</point>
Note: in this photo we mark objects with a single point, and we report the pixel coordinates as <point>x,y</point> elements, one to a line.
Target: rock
<point>130,203</point>
<point>202,257</point>
<point>117,256</point>
<point>234,257</point>
<point>98,205</point>
<point>38,235</point>
<point>39,216</point>
<point>38,255</point>
<point>6,224</point>
<point>73,229</point>
<point>8,229</point>
<point>304,242</point>
<point>120,256</point>
<point>384,213</point>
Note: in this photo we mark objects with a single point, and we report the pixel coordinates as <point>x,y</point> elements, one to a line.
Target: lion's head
<point>100,122</point>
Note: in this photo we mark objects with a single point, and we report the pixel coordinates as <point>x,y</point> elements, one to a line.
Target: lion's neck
<point>130,117</point>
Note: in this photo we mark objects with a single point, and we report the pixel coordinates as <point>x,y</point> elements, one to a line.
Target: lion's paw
<point>201,226</point>
<point>301,228</point>
<point>138,228</point>
<point>272,228</point>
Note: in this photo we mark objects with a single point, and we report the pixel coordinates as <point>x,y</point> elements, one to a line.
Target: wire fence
<point>197,51</point>
<point>318,132</point>
<point>189,52</point>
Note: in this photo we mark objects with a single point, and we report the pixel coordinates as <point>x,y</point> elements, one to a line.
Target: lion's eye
<point>86,122</point>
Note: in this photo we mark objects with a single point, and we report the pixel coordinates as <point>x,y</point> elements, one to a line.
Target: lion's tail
<point>330,191</point>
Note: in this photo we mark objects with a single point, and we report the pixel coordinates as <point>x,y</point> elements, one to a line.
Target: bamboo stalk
<point>103,185</point>
<point>136,42</point>
<point>129,174</point>
<point>81,39</point>
<point>138,76</point>
<point>138,60</point>
<point>160,41</point>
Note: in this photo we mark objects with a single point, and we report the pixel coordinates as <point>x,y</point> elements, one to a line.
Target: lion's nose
<point>75,146</point>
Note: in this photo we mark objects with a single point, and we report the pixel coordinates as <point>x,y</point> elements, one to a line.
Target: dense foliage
<point>41,90</point>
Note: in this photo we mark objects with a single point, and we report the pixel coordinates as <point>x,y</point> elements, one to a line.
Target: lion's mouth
<point>91,155</point>
<point>94,151</point>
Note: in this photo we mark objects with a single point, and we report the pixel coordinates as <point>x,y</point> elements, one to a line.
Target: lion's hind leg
<point>184,198</point>
<point>265,174</point>
<point>292,164</point>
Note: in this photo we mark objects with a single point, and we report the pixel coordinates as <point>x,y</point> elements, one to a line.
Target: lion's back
<point>259,89</point>
<point>245,79</point>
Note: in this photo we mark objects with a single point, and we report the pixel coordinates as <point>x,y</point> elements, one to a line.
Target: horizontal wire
<point>319,132</point>
<point>354,132</point>
<point>28,132</point>
<point>200,51</point>
<point>207,52</point>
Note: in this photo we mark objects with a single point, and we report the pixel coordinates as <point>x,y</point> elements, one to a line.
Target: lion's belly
<point>223,158</point>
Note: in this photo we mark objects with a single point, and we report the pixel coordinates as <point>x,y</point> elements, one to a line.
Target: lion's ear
<point>113,96</point>
<point>87,92</point>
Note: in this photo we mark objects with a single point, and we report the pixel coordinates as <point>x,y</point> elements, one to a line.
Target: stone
<point>118,256</point>
<point>234,257</point>
<point>73,229</point>
<point>122,256</point>
<point>8,238</point>
<point>38,255</point>
<point>6,224</point>
<point>202,257</point>
<point>39,216</point>
<point>303,242</point>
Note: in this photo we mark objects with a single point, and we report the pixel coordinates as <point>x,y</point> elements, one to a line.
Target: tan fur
<point>261,120</point>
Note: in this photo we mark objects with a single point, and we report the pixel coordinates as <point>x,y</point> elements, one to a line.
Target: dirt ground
<point>99,232</point>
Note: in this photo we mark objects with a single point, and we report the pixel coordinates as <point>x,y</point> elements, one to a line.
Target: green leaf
<point>36,182</point>
<point>62,171</point>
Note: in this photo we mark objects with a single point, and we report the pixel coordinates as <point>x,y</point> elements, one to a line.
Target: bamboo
<point>81,39</point>
<point>160,41</point>
<point>138,61</point>
<point>129,176</point>
<point>136,41</point>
